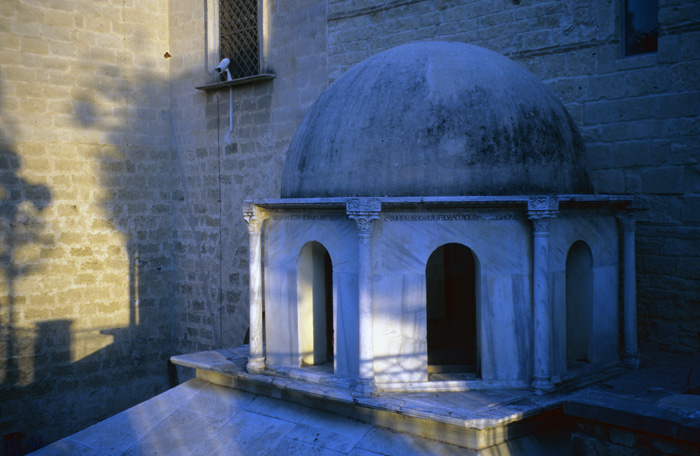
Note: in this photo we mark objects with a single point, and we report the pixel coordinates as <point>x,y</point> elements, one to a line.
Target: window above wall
<point>640,26</point>
<point>234,33</point>
<point>239,38</point>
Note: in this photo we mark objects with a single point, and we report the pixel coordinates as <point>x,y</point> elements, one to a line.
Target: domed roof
<point>435,119</point>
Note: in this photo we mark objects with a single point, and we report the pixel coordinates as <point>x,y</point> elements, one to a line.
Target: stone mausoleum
<point>437,232</point>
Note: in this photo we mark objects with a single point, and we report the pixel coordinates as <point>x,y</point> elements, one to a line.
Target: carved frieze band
<point>364,211</point>
<point>543,203</point>
<point>254,216</point>
<point>363,205</point>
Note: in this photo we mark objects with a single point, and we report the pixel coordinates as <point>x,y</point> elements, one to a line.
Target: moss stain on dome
<point>435,119</point>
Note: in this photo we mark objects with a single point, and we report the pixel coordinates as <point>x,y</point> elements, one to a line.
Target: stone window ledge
<point>237,82</point>
<point>636,61</point>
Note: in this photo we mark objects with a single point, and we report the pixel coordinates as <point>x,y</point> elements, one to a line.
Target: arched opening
<point>315,298</point>
<point>451,310</point>
<point>579,304</point>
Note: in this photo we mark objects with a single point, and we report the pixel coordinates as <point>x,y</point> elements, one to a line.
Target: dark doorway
<point>451,310</point>
<point>315,294</point>
<point>579,304</point>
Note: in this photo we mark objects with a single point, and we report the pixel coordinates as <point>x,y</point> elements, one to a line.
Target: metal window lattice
<point>238,39</point>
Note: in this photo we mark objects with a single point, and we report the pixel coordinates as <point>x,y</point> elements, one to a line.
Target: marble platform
<point>311,413</point>
<point>482,421</point>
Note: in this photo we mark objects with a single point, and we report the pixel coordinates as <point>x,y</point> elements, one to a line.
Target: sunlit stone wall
<point>85,219</point>
<point>222,163</point>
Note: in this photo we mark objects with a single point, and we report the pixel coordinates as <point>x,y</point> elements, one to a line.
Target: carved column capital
<point>540,209</point>
<point>254,216</point>
<point>540,224</point>
<point>364,211</point>
<point>627,219</point>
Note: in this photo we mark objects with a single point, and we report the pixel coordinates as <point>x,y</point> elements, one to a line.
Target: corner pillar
<point>365,211</point>
<point>540,211</point>
<point>255,216</point>
<point>630,355</point>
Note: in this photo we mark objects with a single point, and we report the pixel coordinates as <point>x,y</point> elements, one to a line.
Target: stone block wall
<point>85,222</point>
<point>219,167</point>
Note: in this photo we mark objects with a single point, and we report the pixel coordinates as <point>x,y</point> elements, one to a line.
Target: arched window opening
<point>451,310</point>
<point>315,297</point>
<point>579,304</point>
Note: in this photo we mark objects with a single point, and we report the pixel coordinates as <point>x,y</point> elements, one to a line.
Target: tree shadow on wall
<point>165,198</point>
<point>50,387</point>
<point>21,204</point>
<point>23,242</point>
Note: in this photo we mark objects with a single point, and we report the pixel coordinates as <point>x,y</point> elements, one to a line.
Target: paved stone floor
<point>200,418</point>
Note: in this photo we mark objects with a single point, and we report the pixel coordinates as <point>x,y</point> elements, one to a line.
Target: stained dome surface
<point>435,119</point>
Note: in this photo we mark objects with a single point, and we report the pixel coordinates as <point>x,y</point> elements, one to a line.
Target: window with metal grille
<point>238,36</point>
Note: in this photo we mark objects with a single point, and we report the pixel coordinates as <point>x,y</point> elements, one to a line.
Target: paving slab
<point>67,447</point>
<point>115,435</point>
<point>179,434</point>
<point>218,402</point>
<point>246,433</point>
<point>277,408</point>
<point>330,431</point>
<point>289,447</point>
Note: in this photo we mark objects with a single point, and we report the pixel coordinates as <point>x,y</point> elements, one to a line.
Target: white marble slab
<point>117,434</point>
<point>247,433</point>
<point>178,442</point>
<point>218,402</point>
<point>67,447</point>
<point>330,431</point>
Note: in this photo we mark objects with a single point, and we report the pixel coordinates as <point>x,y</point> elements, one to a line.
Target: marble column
<point>255,216</point>
<point>541,210</point>
<point>365,211</point>
<point>630,355</point>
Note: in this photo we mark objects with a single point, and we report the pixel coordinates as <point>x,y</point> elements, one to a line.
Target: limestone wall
<point>122,239</point>
<point>219,167</point>
<point>85,197</point>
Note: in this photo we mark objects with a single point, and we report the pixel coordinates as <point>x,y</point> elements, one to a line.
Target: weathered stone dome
<point>435,119</point>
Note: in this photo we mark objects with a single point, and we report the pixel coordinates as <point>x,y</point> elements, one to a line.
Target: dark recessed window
<point>640,26</point>
<point>238,36</point>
